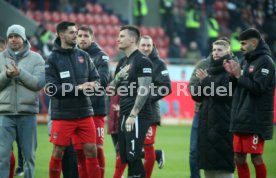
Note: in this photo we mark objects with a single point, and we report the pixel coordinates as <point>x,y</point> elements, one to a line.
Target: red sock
<point>149,160</point>
<point>243,170</point>
<point>81,163</point>
<point>260,171</point>
<point>100,152</point>
<point>92,167</point>
<point>55,167</point>
<point>119,167</point>
<point>12,165</point>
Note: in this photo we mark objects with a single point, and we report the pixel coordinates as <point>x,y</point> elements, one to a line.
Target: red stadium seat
<point>160,43</point>
<point>152,32</point>
<point>56,17</point>
<point>38,16</point>
<point>101,30</point>
<point>114,20</point>
<point>163,52</point>
<point>143,30</point>
<point>102,40</point>
<point>81,18</point>
<point>105,19</point>
<point>97,9</point>
<point>89,19</point>
<point>111,41</point>
<point>47,16</point>
<point>160,32</point>
<point>73,17</point>
<point>97,19</point>
<point>64,17</point>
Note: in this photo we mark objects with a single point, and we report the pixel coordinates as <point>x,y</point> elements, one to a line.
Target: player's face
<point>219,51</point>
<point>84,39</point>
<point>15,42</point>
<point>247,46</point>
<point>146,46</point>
<point>69,37</point>
<point>124,40</point>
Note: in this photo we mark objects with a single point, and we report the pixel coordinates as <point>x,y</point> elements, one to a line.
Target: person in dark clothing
<point>194,81</point>
<point>70,74</point>
<point>134,74</point>
<point>214,91</point>
<point>253,102</point>
<point>160,79</point>
<point>85,41</point>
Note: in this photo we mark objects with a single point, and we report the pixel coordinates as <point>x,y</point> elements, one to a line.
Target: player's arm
<point>103,70</point>
<point>262,77</point>
<point>142,96</point>
<point>163,81</point>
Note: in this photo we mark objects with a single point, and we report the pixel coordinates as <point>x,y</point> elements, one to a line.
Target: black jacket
<point>160,78</point>
<point>100,60</point>
<point>253,101</point>
<point>215,148</point>
<point>74,67</point>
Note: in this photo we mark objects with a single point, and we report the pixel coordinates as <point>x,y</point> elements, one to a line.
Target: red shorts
<point>99,127</point>
<point>150,137</point>
<point>63,130</point>
<point>248,143</point>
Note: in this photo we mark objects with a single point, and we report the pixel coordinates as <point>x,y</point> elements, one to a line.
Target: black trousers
<point>69,163</point>
<point>131,145</point>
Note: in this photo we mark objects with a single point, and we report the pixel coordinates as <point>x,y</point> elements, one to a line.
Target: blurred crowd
<point>190,25</point>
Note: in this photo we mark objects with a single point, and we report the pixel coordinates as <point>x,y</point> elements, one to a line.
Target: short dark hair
<point>132,31</point>
<point>250,33</point>
<point>63,26</point>
<point>86,28</point>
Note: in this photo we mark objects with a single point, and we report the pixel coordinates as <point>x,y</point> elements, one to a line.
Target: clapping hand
<point>201,74</point>
<point>12,70</point>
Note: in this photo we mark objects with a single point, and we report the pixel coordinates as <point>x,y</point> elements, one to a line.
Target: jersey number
<point>100,131</point>
<point>255,139</point>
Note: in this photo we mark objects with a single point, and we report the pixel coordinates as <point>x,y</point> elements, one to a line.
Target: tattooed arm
<point>143,82</point>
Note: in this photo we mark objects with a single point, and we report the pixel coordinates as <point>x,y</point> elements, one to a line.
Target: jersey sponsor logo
<point>105,58</point>
<point>251,69</point>
<point>265,71</point>
<point>65,74</point>
<point>165,72</point>
<point>147,70</point>
<point>81,60</point>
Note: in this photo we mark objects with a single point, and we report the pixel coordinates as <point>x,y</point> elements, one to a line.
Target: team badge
<point>81,60</point>
<point>251,69</point>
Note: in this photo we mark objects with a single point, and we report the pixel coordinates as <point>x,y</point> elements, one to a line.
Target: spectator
<point>22,69</point>
<point>140,11</point>
<point>213,127</point>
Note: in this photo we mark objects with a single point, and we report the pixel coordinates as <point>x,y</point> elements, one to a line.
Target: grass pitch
<point>174,140</point>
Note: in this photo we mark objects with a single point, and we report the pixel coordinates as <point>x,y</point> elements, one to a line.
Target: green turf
<point>173,139</point>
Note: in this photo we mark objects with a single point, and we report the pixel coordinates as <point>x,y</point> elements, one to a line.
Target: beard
<point>72,44</point>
